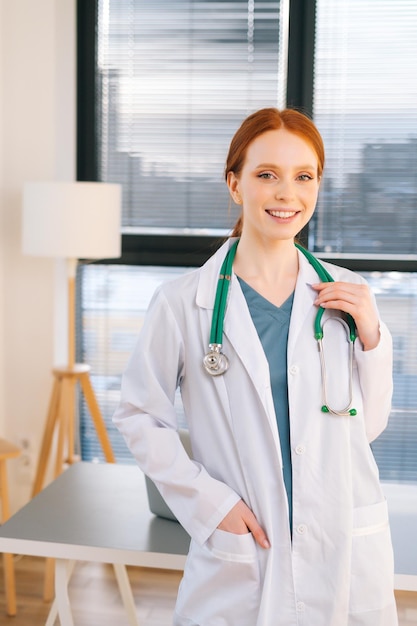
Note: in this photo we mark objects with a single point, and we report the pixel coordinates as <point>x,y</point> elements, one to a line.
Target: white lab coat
<point>338,568</point>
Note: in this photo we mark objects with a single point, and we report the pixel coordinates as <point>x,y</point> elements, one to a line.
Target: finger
<point>357,290</point>
<point>256,530</point>
<point>340,305</point>
<point>233,522</point>
<point>335,296</point>
<point>350,303</point>
<point>341,290</point>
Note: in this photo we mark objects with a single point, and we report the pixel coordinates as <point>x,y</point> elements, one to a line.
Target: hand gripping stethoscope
<point>216,363</point>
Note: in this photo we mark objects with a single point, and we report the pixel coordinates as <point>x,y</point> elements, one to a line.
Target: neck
<point>269,259</point>
<point>270,267</point>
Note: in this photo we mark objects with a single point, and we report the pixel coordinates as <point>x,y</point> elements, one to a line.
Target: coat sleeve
<point>375,376</point>
<point>147,419</point>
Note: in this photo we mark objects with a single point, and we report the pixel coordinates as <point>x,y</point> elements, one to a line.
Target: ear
<point>233,185</point>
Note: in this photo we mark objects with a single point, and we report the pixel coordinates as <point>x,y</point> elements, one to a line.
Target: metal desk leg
<point>53,613</point>
<point>61,603</point>
<point>126,593</point>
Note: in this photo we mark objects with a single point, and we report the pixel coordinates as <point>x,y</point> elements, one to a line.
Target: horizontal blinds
<point>365,95</point>
<point>395,449</point>
<point>114,302</point>
<point>175,80</point>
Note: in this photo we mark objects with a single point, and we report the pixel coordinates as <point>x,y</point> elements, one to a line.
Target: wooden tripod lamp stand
<point>73,220</point>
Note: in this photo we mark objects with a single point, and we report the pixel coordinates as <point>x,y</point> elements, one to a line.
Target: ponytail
<point>237,229</point>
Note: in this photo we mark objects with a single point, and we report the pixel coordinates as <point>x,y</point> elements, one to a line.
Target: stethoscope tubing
<point>216,363</point>
<point>220,302</point>
<point>326,408</point>
<point>325,277</point>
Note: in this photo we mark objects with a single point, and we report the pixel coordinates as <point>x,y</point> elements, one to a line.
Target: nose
<point>284,189</point>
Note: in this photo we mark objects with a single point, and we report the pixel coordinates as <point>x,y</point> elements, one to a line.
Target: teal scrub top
<point>272,325</point>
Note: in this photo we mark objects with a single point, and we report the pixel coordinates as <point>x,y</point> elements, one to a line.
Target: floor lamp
<point>71,220</point>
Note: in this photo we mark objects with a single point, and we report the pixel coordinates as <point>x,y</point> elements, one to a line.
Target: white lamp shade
<point>74,220</point>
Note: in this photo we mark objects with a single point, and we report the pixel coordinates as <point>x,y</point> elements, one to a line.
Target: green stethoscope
<point>216,363</point>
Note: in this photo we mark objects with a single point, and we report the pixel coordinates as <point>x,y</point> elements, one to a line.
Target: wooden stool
<point>61,418</point>
<point>7,451</point>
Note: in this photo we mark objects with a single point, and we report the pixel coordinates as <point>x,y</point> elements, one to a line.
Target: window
<point>174,80</point>
<point>365,90</point>
<point>114,302</point>
<point>168,87</point>
<point>394,450</point>
<point>365,94</point>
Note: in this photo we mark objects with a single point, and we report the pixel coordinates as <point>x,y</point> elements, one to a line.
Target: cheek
<point>311,198</point>
<point>251,195</point>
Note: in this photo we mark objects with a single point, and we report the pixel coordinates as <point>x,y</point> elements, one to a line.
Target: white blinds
<point>395,449</point>
<point>114,302</point>
<point>365,104</point>
<point>175,81</point>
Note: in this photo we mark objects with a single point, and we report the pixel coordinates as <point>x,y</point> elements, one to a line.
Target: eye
<point>266,175</point>
<point>304,177</point>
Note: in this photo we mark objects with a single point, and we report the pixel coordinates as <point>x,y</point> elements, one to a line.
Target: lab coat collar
<point>303,305</point>
<point>238,325</point>
<point>209,275</point>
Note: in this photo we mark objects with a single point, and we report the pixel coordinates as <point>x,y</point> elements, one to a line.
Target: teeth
<point>282,214</point>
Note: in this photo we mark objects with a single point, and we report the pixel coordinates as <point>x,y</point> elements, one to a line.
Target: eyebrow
<point>275,166</point>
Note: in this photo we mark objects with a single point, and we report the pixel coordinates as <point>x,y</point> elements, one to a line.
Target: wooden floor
<point>95,598</point>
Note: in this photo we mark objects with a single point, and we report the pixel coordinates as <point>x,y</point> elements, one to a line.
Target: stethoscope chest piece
<point>215,362</point>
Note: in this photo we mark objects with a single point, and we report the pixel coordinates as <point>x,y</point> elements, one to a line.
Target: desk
<point>95,512</point>
<point>402,505</point>
<point>99,512</point>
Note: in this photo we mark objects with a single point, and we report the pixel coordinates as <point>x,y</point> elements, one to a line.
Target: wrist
<point>370,343</point>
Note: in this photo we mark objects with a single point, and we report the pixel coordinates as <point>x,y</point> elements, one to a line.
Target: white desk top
<point>96,512</point>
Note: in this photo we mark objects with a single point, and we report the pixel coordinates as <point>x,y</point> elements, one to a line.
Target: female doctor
<point>288,522</point>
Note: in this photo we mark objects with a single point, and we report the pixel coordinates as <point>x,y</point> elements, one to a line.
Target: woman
<point>282,500</point>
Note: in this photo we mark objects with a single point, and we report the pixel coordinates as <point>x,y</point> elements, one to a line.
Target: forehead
<point>281,147</point>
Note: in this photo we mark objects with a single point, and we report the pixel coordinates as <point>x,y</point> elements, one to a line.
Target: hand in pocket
<point>240,520</point>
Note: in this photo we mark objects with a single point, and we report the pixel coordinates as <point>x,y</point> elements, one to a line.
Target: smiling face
<point>277,186</point>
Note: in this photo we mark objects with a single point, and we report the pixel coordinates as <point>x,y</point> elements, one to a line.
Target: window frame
<point>193,250</point>
<point>160,247</point>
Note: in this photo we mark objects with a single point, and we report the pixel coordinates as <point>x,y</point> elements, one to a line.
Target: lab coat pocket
<point>231,547</point>
<point>372,576</point>
<point>221,584</point>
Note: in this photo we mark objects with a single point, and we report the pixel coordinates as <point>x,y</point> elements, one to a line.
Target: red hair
<point>261,122</point>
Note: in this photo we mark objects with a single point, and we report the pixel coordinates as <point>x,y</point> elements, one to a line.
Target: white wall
<point>37,142</point>
<point>2,243</point>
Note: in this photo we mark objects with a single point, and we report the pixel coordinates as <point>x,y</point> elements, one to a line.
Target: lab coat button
<point>294,369</point>
<point>300,606</point>
<point>301,529</point>
<point>300,449</point>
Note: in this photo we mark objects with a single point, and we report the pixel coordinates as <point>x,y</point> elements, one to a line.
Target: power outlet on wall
<point>26,461</point>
